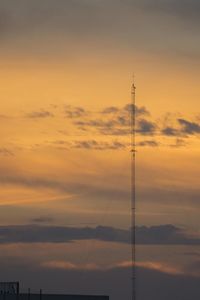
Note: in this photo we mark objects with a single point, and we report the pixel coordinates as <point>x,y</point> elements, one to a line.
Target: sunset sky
<point>66,70</point>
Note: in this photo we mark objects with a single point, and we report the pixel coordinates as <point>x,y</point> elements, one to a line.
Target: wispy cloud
<point>114,122</point>
<point>148,143</point>
<point>149,265</point>
<point>92,144</point>
<point>6,152</point>
<point>74,112</point>
<point>42,220</point>
<point>42,114</point>
<point>159,267</point>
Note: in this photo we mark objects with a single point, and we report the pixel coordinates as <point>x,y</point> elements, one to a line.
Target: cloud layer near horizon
<point>154,235</point>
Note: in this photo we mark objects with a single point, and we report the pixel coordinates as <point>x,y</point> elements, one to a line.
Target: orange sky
<point>66,71</point>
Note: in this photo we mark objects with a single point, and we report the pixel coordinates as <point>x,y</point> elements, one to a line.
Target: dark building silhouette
<point>11,291</point>
<point>50,297</point>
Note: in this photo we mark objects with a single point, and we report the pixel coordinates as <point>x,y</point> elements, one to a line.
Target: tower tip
<point>133,87</point>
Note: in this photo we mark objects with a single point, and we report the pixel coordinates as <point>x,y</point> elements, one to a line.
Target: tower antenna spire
<point>133,186</point>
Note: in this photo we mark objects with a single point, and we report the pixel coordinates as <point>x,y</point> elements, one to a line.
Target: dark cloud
<point>43,219</point>
<point>154,235</point>
<point>189,128</point>
<point>128,108</point>
<point>139,111</point>
<point>164,235</point>
<point>146,127</point>
<point>94,145</point>
<point>40,114</point>
<point>184,129</point>
<point>61,142</point>
<point>90,145</point>
<point>150,143</point>
<point>179,143</point>
<point>115,127</point>
<point>116,131</point>
<point>118,126</point>
<point>74,112</point>
<point>99,123</point>
<point>53,234</point>
<point>170,131</point>
<point>116,121</point>
<point>110,110</point>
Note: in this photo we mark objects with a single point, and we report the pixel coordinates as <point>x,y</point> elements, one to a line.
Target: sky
<point>66,72</point>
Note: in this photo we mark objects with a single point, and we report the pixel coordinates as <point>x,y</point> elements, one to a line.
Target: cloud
<point>188,127</point>
<point>161,267</point>
<point>116,121</point>
<point>55,234</point>
<point>139,110</point>
<point>115,127</point>
<point>179,143</point>
<point>145,127</point>
<point>115,131</point>
<point>183,130</point>
<point>150,143</point>
<point>90,145</point>
<point>82,189</point>
<point>149,265</point>
<point>94,145</point>
<point>164,235</point>
<point>65,265</point>
<point>6,152</point>
<point>170,131</point>
<point>74,112</point>
<point>154,235</point>
<point>97,123</point>
<point>110,110</point>
<point>43,219</point>
<point>42,114</point>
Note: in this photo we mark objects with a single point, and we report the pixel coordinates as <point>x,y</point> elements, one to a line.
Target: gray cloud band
<point>155,235</point>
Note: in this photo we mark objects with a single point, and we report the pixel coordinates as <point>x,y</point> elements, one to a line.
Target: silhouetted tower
<point>133,190</point>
